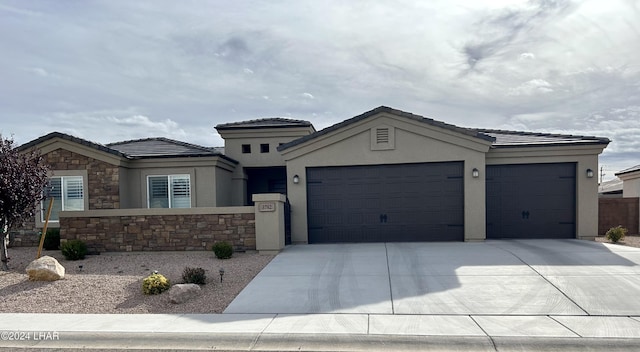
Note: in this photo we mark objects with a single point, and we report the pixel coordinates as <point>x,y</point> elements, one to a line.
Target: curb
<point>316,342</point>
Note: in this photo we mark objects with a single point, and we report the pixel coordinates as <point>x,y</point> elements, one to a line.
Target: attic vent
<point>382,135</point>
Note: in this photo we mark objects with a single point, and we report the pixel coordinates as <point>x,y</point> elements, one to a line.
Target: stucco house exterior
<point>384,175</point>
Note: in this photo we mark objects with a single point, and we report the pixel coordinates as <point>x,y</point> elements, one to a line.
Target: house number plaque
<point>270,206</point>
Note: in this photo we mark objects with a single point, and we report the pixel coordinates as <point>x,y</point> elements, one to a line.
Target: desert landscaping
<point>112,282</point>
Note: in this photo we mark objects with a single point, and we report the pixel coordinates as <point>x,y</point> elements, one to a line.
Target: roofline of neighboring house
<point>629,170</point>
<point>386,109</point>
<point>71,138</point>
<point>281,122</point>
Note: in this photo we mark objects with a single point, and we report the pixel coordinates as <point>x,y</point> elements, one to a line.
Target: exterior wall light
<point>475,173</point>
<point>589,173</point>
<point>296,179</point>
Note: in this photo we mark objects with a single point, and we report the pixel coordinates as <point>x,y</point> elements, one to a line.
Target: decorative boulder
<point>181,293</point>
<point>45,268</point>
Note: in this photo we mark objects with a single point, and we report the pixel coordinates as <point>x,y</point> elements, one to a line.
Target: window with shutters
<point>383,138</point>
<point>169,191</point>
<point>67,193</point>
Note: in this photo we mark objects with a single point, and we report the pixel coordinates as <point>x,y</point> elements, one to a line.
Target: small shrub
<point>193,276</point>
<point>155,284</point>
<point>74,250</point>
<point>52,239</point>
<point>615,234</point>
<point>223,250</point>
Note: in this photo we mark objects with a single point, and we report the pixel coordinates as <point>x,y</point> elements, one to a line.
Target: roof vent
<point>382,137</point>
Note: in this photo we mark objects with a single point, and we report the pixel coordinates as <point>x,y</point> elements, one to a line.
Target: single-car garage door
<point>386,203</point>
<point>531,201</point>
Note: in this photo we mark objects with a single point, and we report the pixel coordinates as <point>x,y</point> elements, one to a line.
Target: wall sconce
<point>475,173</point>
<point>296,179</point>
<point>589,173</point>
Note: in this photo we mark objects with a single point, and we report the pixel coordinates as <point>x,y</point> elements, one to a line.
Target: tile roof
<point>506,139</point>
<point>161,147</point>
<point>275,122</point>
<point>386,109</point>
<point>139,148</point>
<point>629,170</point>
<point>71,139</point>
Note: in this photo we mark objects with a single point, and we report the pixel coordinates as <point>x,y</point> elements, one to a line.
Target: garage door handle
<point>383,218</point>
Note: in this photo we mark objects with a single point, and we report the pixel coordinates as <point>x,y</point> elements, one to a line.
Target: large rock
<point>181,293</point>
<point>45,269</point>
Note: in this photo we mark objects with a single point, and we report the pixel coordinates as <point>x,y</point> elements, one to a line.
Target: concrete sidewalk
<point>536,295</point>
<point>326,332</point>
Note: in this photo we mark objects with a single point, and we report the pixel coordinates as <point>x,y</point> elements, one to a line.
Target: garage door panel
<point>404,202</point>
<point>531,201</point>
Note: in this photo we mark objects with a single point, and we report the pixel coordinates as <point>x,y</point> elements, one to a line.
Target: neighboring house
<point>630,181</point>
<point>385,175</point>
<point>610,189</point>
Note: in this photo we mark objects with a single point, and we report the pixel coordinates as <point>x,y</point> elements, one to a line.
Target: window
<point>246,148</point>
<point>173,191</point>
<point>264,148</point>
<point>68,195</point>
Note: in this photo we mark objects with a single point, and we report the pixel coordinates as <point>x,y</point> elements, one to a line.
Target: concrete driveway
<point>515,277</point>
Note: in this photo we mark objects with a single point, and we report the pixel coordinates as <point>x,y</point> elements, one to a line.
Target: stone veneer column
<point>269,222</point>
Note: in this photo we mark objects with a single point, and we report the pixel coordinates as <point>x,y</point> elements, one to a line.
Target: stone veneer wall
<point>103,182</point>
<point>181,232</point>
<point>25,236</point>
<point>103,192</point>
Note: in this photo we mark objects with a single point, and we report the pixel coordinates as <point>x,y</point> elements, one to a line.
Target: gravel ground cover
<point>633,241</point>
<point>112,282</point>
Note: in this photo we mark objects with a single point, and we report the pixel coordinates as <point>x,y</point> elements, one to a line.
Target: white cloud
<point>185,67</point>
<point>534,86</point>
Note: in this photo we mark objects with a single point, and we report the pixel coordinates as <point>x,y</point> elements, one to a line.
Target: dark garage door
<point>531,201</point>
<point>386,203</point>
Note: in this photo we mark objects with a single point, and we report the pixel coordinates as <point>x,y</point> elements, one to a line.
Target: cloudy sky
<point>113,70</point>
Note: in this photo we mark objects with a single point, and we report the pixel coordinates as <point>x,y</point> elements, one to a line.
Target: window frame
<point>170,189</point>
<point>44,203</point>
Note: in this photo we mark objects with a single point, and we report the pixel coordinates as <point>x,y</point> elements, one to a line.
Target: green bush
<point>223,250</point>
<point>52,239</point>
<point>615,234</point>
<point>155,284</point>
<point>193,276</point>
<point>74,249</point>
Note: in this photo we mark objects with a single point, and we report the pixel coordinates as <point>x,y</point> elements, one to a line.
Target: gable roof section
<point>161,147</point>
<point>136,149</point>
<point>73,139</point>
<point>385,109</point>
<point>275,122</point>
<point>514,139</point>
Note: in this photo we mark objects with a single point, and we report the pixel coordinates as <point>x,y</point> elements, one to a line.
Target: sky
<point>115,70</point>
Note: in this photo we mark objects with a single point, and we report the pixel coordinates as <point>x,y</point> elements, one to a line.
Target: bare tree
<point>23,176</point>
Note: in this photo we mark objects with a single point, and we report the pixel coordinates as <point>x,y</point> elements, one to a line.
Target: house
<point>385,175</point>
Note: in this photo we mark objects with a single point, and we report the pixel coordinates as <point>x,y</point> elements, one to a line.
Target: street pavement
<point>528,295</point>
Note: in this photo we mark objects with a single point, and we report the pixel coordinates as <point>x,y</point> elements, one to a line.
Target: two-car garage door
<point>425,202</point>
<point>386,203</point>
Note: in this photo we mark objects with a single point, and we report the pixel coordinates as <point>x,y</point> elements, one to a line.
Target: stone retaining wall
<point>166,232</point>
